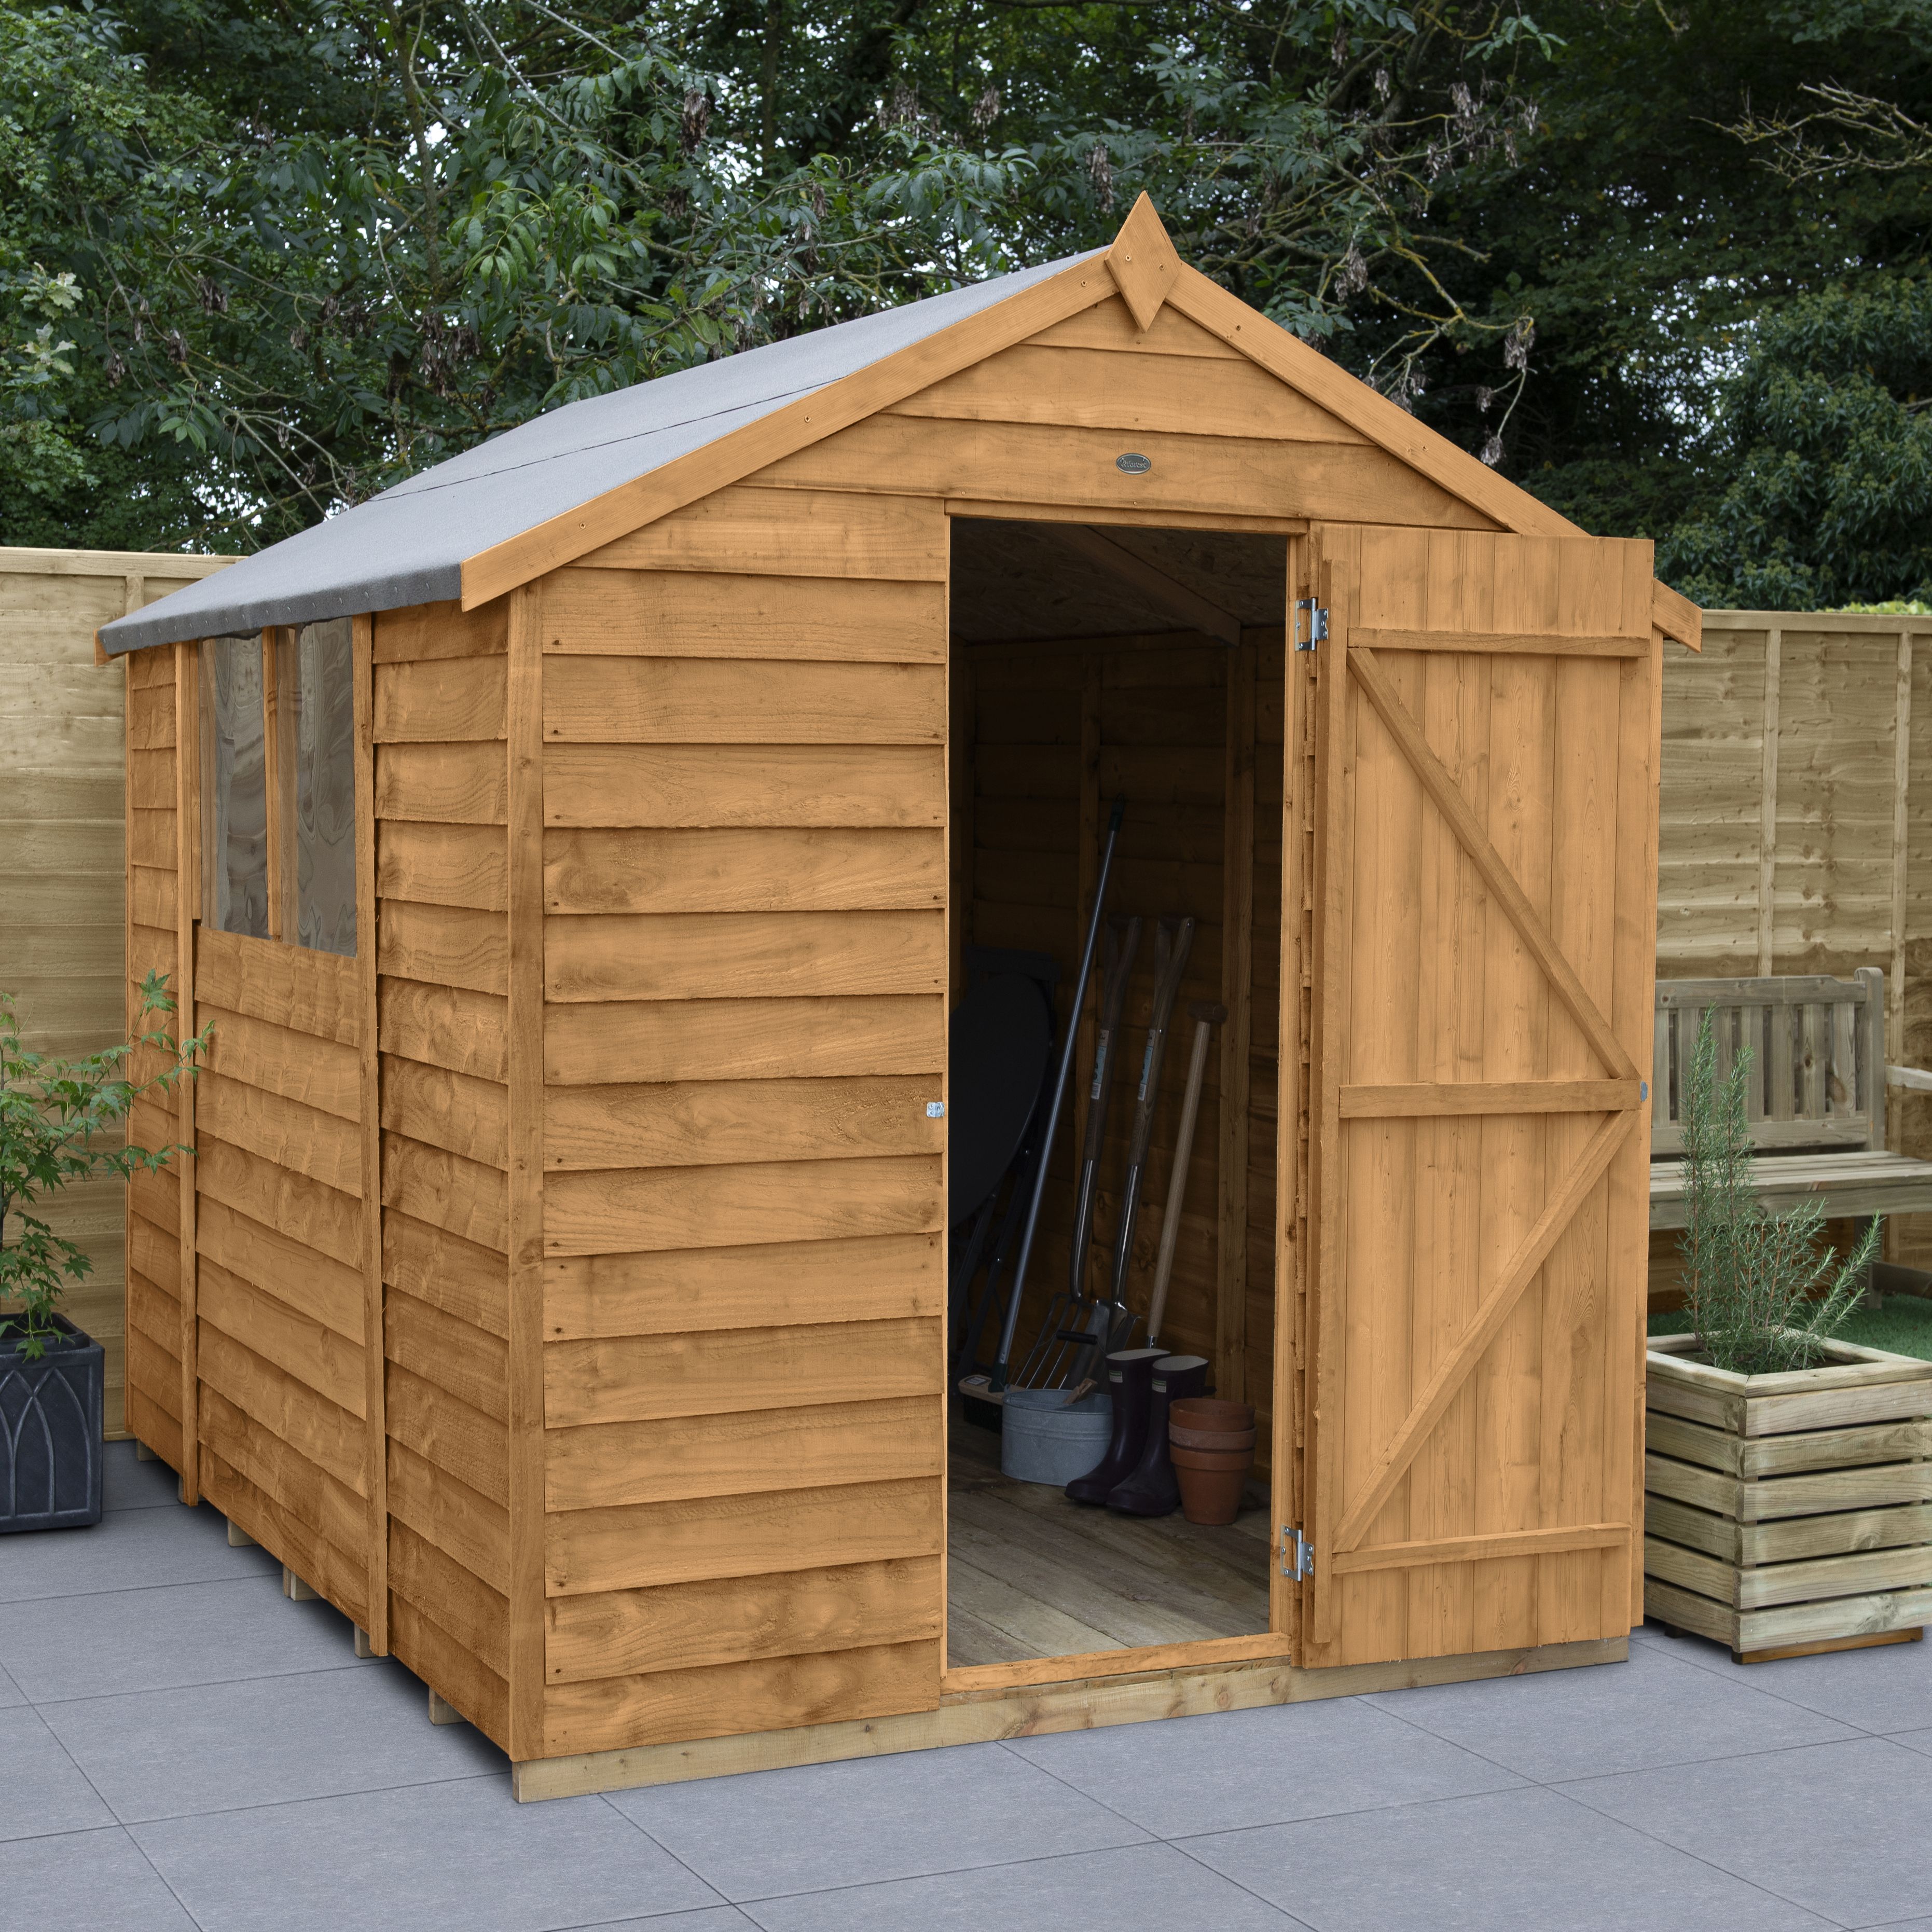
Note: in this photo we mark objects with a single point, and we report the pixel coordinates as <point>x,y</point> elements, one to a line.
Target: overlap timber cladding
<point>281,1398</point>
<point>1430,981</point>
<point>442,959</point>
<point>744,717</point>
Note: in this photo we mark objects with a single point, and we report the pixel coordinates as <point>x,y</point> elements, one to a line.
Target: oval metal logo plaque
<point>1134,463</point>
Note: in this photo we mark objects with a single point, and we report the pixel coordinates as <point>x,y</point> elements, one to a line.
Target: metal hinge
<point>1317,615</point>
<point>1297,1553</point>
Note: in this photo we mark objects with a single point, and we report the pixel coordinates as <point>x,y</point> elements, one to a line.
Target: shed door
<point>1483,883</point>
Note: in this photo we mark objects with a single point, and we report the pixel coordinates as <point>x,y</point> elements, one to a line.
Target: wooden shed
<point>576,849</point>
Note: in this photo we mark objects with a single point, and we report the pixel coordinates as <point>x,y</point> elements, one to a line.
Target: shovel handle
<point>1184,1150</point>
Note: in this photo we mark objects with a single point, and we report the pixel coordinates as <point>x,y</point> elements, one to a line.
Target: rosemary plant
<point>1752,1278</point>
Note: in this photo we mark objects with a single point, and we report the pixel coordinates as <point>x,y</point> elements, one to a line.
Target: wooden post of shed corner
<point>524,725</point>
<point>374,1345</point>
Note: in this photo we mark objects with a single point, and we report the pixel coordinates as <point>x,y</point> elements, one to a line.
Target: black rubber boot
<point>1152,1489</point>
<point>1130,1382</point>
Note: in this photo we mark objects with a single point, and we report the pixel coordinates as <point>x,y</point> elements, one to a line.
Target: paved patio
<point>181,1747</point>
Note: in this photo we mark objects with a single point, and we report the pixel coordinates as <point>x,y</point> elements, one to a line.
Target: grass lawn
<point>1903,1325</point>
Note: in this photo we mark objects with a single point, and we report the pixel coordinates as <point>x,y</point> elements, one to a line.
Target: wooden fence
<point>1796,824</point>
<point>63,850</point>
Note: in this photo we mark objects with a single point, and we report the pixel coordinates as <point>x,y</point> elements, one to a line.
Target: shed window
<point>234,787</point>
<point>278,785</point>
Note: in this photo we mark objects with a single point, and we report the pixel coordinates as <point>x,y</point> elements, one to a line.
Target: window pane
<point>234,792</point>
<point>324,787</point>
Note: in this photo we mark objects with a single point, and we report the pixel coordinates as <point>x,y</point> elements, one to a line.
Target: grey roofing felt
<point>407,545</point>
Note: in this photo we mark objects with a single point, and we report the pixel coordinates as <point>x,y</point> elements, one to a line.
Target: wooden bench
<point>1817,1098</point>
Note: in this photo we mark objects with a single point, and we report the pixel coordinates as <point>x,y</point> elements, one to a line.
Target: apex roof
<point>573,479</point>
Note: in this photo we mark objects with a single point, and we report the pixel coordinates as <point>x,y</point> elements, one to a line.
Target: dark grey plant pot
<point>50,1446</point>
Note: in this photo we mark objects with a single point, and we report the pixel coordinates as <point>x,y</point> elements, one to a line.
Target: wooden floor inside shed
<point>1030,1574</point>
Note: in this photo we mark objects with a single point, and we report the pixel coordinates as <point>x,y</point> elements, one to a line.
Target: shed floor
<point>1030,1574</point>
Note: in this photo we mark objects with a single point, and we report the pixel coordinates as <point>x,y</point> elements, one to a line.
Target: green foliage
<point>1749,1276</point>
<point>319,248</point>
<point>54,1116</point>
<point>1827,437</point>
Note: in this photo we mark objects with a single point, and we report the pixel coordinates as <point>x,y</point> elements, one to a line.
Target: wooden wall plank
<point>290,986</point>
<point>461,1196</point>
<point>460,1440</point>
<point>456,1112</point>
<point>629,1208</point>
<point>455,1518</point>
<point>605,1465</point>
<point>286,1536</point>
<point>302,1348</point>
<point>683,1626</point>
<point>447,946</point>
<point>843,1685</point>
<point>476,1615</point>
<point>454,1027</point>
<point>732,956</point>
<point>276,1467</point>
<point>441,864</point>
<point>1031,463</point>
<point>747,529</point>
<point>607,613</point>
<point>741,701</point>
<point>716,1537</point>
<point>327,1435</point>
<point>440,701</point>
<point>468,1362</point>
<point>324,1147</point>
<point>278,1264</point>
<point>448,784</point>
<point>795,870</point>
<point>311,1213</point>
<point>876,1278</point>
<point>645,1379</point>
<point>302,1066</point>
<point>441,630</point>
<point>709,1123</point>
<point>697,1039</point>
<point>475,1690</point>
<point>461,1278</point>
<point>674,786</point>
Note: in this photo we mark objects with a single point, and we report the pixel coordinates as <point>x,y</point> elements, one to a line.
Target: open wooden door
<point>1482,799</point>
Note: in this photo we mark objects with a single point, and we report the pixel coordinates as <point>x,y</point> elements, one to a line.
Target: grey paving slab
<point>127,1549</point>
<point>117,1641</point>
<point>1237,1768</point>
<point>11,1693</point>
<point>1918,1740</point>
<point>165,1753</point>
<point>1883,1689</point>
<point>870,1819</point>
<point>463,1857</point>
<point>87,1882</point>
<point>1528,1858</point>
<point>128,1483</point>
<point>1134,1890</point>
<point>1653,1710</point>
<point>1840,1828</point>
<point>46,1792</point>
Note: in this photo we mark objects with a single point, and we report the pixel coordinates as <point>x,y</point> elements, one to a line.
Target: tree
<point>315,249</point>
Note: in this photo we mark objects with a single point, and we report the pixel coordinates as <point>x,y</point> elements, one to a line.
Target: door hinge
<point>1297,1553</point>
<point>1317,615</point>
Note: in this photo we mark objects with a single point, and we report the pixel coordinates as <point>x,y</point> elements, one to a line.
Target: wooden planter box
<point>1789,1513</point>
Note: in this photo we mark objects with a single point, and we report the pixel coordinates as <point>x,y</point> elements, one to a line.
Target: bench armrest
<point>1910,1077</point>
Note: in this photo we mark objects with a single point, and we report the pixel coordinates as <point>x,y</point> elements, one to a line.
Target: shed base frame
<point>1034,1710</point>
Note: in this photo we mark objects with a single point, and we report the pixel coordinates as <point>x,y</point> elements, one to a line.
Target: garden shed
<point>577,849</point>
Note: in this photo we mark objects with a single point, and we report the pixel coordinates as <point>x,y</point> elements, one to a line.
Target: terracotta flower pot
<point>1209,1413</point>
<point>1211,1481</point>
<point>1211,1438</point>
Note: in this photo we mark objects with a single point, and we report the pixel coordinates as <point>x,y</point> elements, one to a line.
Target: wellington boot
<point>1153,1488</point>
<point>1130,1382</point>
